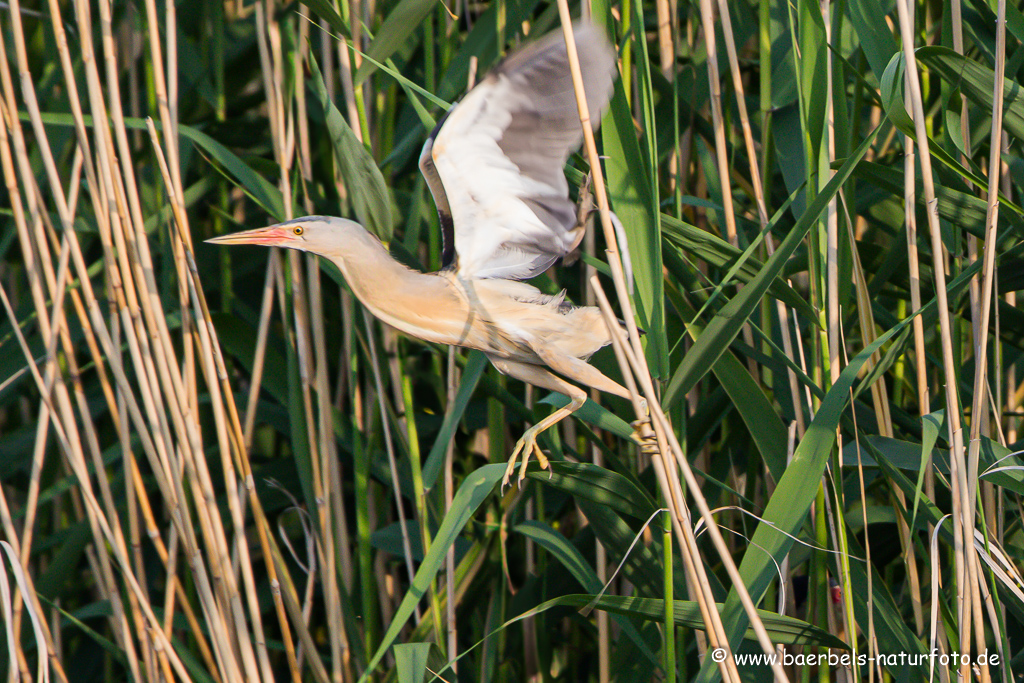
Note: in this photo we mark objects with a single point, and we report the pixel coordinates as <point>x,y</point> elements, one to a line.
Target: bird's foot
<point>643,434</point>
<point>525,446</point>
<point>638,424</point>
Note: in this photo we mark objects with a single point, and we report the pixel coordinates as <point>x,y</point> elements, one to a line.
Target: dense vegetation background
<point>214,466</point>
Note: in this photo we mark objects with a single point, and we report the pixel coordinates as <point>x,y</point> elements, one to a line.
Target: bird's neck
<point>394,293</point>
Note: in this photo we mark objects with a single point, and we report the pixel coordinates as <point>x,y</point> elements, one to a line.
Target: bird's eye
<point>297,231</point>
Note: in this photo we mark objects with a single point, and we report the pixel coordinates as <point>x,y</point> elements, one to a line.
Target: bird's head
<point>323,235</point>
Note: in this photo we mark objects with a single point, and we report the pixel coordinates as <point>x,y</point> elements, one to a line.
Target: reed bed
<point>215,466</point>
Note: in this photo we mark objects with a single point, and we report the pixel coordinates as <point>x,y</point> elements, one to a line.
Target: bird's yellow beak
<point>273,236</point>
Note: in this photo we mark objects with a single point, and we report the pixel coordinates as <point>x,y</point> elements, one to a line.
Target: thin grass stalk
<point>756,182</point>
<point>1004,386</point>
<point>669,636</point>
<point>451,627</point>
<point>707,16</point>
<point>273,276</point>
<point>328,446</point>
<point>979,406</point>
<point>419,496</point>
<point>871,636</point>
<point>388,445</point>
<point>913,264</point>
<point>957,461</point>
<point>833,513</point>
<point>597,456</point>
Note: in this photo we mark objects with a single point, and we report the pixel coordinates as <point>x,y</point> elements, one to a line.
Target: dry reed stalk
<point>972,246</point>
<point>49,336</point>
<point>668,480</point>
<point>451,627</point>
<point>59,414</point>
<point>968,576</point>
<point>980,405</point>
<point>309,335</point>
<point>713,531</point>
<point>758,192</point>
<point>672,493</point>
<point>221,391</point>
<point>185,428</point>
<point>597,456</point>
<point>126,193</point>
<point>342,541</point>
<point>914,272</point>
<point>165,85</point>
<point>726,177</point>
<point>661,425</point>
<point>328,446</point>
<point>666,50</point>
<point>273,276</point>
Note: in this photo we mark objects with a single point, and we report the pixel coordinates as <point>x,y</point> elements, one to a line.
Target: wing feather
<point>495,162</point>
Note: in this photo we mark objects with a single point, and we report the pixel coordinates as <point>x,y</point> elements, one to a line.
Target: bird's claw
<point>526,445</point>
<point>643,434</point>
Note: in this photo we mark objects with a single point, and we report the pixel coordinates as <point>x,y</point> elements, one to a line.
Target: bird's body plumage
<point>498,317</point>
<point>494,166</point>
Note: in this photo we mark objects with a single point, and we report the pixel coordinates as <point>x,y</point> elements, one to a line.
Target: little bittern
<point>494,166</point>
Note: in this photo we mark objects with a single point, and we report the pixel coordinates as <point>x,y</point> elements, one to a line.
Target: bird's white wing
<point>495,162</point>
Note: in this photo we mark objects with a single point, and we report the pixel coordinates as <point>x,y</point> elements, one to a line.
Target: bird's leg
<point>543,378</point>
<point>528,442</point>
<point>583,372</point>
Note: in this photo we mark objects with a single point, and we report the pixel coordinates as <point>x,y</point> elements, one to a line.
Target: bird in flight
<point>494,165</point>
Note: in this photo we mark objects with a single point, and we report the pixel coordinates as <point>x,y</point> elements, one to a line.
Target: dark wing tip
<point>444,212</point>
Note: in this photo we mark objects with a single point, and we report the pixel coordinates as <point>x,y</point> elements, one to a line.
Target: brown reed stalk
<point>672,492</point>
<point>968,577</point>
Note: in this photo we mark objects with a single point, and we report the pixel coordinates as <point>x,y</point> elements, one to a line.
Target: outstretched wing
<point>495,162</point>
